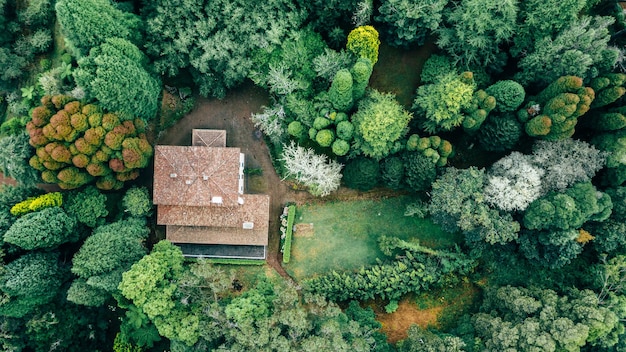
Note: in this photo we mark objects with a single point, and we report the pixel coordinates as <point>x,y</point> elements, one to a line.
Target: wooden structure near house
<point>199,194</point>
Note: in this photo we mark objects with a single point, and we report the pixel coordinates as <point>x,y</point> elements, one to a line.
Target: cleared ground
<point>344,235</point>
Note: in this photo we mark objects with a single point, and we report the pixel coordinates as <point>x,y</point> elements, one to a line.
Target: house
<point>199,194</point>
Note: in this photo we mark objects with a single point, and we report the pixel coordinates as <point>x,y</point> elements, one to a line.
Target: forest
<point>490,134</point>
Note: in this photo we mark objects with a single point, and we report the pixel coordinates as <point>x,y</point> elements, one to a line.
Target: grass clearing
<point>344,235</point>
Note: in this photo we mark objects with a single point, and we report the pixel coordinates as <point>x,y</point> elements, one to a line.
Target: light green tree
<point>379,122</point>
<point>440,105</point>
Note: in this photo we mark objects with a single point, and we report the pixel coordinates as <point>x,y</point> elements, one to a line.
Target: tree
<point>500,133</point>
<point>361,73</point>
<point>32,280</point>
<point>410,22</point>
<point>580,50</point>
<point>526,319</point>
<point>116,73</point>
<point>441,104</point>
<point>77,144</point>
<point>88,24</point>
<point>570,209</point>
<point>270,122</point>
<point>543,18</point>
<point>513,183</point>
<point>106,254</point>
<point>457,203</point>
<point>320,175</point>
<point>361,173</point>
<point>509,95</point>
<point>379,122</point>
<point>474,31</point>
<point>217,41</point>
<point>615,145</point>
<point>419,170</point>
<point>566,162</point>
<point>14,154</point>
<point>150,285</point>
<point>363,42</point>
<point>137,202</point>
<point>392,172</point>
<point>47,228</point>
<point>554,112</point>
<point>420,340</point>
<point>88,206</point>
<point>340,92</point>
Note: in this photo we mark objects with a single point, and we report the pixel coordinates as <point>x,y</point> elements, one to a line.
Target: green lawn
<point>344,235</point>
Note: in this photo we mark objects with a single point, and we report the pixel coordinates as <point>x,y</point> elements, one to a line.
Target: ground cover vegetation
<point>536,86</point>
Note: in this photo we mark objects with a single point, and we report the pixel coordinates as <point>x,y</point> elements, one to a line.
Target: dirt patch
<point>396,325</point>
<point>304,230</point>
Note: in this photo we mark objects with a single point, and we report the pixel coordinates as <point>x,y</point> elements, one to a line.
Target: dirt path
<point>233,115</point>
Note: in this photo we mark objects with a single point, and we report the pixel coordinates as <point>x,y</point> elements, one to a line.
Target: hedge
<point>235,261</point>
<point>290,219</point>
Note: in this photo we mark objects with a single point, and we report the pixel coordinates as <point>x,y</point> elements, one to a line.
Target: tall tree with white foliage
<point>513,182</point>
<point>321,175</point>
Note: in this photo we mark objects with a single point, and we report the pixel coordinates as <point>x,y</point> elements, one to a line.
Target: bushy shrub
<point>340,147</point>
<point>392,172</point>
<point>30,205</point>
<point>420,171</point>
<point>379,123</point>
<point>363,42</point>
<point>441,103</point>
<point>435,67</point>
<point>295,129</point>
<point>500,133</point>
<point>345,130</point>
<point>321,122</point>
<point>554,112</point>
<point>476,113</point>
<point>361,73</point>
<point>410,22</point>
<point>361,173</point>
<point>340,92</point>
<point>325,137</point>
<point>509,95</point>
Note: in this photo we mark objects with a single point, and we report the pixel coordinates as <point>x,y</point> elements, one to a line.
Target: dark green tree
<point>47,228</point>
<point>509,95</point>
<point>361,173</point>
<point>101,260</point>
<point>410,22</point>
<point>14,155</point>
<point>88,206</point>
<point>420,171</point>
<point>216,41</point>
<point>30,281</point>
<point>88,24</point>
<point>474,31</point>
<point>117,74</point>
<point>580,50</point>
<point>500,133</point>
